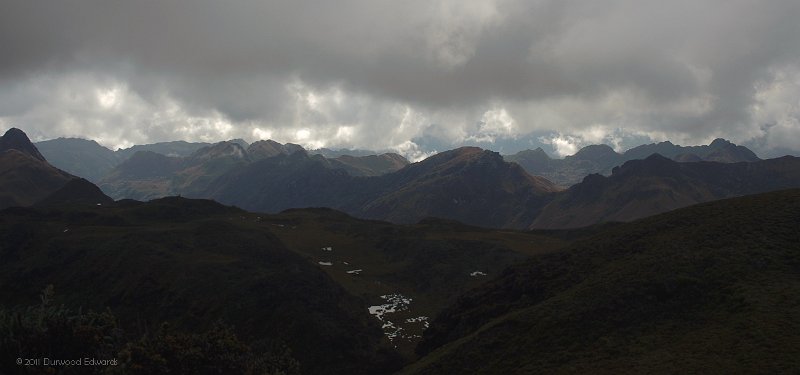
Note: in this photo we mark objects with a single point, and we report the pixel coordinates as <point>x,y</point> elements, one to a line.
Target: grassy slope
<point>190,263</point>
<point>710,288</point>
<point>24,180</point>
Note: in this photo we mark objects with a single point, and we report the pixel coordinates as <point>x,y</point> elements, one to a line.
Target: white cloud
<point>563,144</point>
<point>411,151</point>
<point>378,75</point>
<point>777,108</point>
<point>495,123</point>
<point>454,28</point>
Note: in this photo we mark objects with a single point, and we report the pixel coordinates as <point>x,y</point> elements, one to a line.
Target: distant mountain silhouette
<point>94,162</point>
<point>88,159</point>
<point>147,175</point>
<point>79,157</point>
<point>601,159</point>
<point>719,150</point>
<point>646,187</point>
<point>174,148</point>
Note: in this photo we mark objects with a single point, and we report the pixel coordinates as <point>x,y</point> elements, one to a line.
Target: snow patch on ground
<point>328,248</point>
<point>325,263</point>
<point>394,303</point>
<point>477,273</point>
<point>355,272</point>
<point>419,319</point>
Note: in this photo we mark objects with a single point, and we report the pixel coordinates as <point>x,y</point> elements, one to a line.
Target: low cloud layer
<point>404,75</point>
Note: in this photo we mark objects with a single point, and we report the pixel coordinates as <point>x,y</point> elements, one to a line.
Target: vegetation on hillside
<point>55,332</point>
<point>711,288</point>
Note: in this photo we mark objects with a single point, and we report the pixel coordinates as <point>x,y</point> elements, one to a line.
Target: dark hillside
<point>191,263</point>
<point>710,288</point>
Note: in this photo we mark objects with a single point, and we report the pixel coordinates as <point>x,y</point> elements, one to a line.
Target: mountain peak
<point>221,149</point>
<point>597,153</point>
<point>656,157</point>
<point>466,150</point>
<point>653,163</point>
<point>455,155</point>
<point>720,142</point>
<point>269,148</point>
<point>538,153</point>
<point>16,139</point>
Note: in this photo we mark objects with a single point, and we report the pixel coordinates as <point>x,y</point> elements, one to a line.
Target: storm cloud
<point>402,75</point>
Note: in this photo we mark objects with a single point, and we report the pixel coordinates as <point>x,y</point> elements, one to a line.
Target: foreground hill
<point>191,263</point>
<point>77,191</point>
<point>345,295</point>
<point>710,288</point>
<point>601,159</point>
<point>647,187</point>
<point>25,176</point>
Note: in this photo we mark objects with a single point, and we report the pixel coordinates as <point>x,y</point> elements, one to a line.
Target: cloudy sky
<point>412,76</point>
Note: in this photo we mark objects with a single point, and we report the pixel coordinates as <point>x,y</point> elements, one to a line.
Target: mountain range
<point>90,160</point>
<point>467,184</point>
<point>601,159</point>
<point>471,185</point>
<point>642,188</point>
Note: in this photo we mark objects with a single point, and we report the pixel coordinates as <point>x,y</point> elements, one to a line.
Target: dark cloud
<point>371,74</point>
